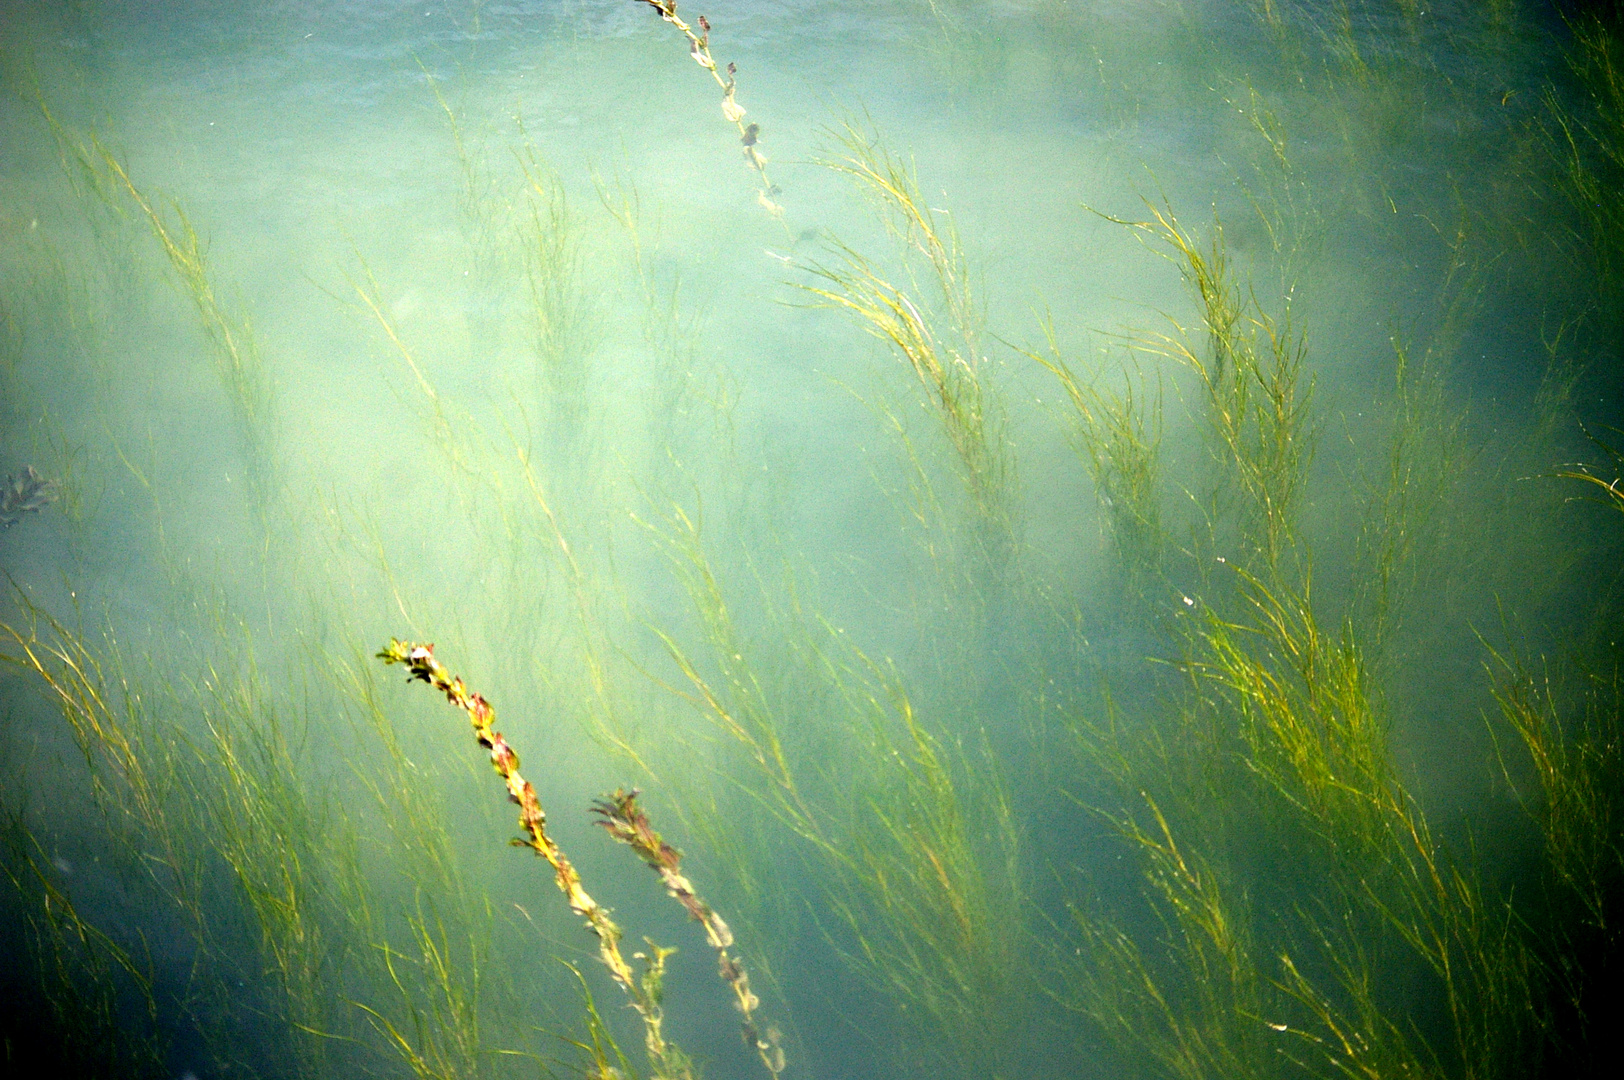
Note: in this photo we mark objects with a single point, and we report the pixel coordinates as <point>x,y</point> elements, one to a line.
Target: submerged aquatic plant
<point>732,111</point>
<point>627,823</point>
<point>624,820</point>
<point>213,819</point>
<point>1586,139</point>
<point>87,979</point>
<point>945,350</point>
<point>666,1059</point>
<point>1256,389</point>
<point>1279,761</point>
<point>244,375</point>
<point>1403,522</point>
<point>910,841</point>
<point>178,806</point>
<point>1118,433</point>
<point>559,312</point>
<point>1612,489</point>
<point>1292,913</point>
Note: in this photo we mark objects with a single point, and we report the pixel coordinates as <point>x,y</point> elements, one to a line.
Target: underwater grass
<point>1586,138</point>
<point>138,782</point>
<point>382,958</point>
<point>1405,516</point>
<point>478,196</point>
<point>608,1061</point>
<point>1564,760</point>
<point>1118,434</point>
<point>273,837</point>
<point>243,373</point>
<point>233,819</point>
<point>1275,765</point>
<point>210,809</point>
<point>944,352</point>
<point>506,484</point>
<point>1256,393</point>
<point>86,980</point>
<point>912,843</point>
<point>136,768</point>
<point>1574,791</point>
<point>935,897</point>
<point>563,327</point>
<point>179,803</point>
<point>1225,965</point>
<point>1194,1020</point>
<point>1279,764</point>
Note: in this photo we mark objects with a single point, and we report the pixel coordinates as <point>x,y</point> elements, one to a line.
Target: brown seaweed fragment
<point>624,820</point>
<point>28,491</point>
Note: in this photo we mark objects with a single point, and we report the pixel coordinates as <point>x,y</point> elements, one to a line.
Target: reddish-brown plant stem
<point>667,1061</point>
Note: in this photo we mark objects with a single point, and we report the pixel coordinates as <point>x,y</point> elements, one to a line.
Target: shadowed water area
<point>968,540</point>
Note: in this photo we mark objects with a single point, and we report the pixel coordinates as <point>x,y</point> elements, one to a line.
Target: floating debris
<point>30,491</point>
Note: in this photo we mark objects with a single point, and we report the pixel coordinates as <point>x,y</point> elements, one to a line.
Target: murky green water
<point>1074,515</point>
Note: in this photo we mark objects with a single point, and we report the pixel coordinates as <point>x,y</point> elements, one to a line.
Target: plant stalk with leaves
<point>624,820</point>
<point>668,1062</point>
<point>749,134</point>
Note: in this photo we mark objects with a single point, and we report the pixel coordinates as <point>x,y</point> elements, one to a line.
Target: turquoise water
<point>1245,706</point>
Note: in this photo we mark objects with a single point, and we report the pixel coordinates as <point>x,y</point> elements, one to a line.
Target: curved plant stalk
<point>625,821</point>
<point>438,974</point>
<point>749,134</point>
<point>1612,490</point>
